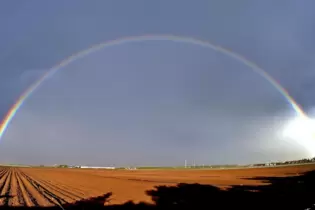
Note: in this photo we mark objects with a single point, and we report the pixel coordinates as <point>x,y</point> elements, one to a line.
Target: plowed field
<point>52,186</point>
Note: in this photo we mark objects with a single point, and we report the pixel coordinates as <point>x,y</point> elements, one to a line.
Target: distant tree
<point>63,166</point>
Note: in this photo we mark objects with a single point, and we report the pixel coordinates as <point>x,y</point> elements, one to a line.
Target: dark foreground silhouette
<point>282,193</point>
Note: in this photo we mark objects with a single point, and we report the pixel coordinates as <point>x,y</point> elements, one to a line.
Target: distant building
<point>131,168</point>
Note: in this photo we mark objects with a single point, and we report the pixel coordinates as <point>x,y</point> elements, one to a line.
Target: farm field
<point>48,186</point>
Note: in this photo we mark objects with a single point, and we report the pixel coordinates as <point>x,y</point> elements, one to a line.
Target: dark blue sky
<point>152,102</point>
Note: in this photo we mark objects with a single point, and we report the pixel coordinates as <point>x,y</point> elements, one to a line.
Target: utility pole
<point>185,163</point>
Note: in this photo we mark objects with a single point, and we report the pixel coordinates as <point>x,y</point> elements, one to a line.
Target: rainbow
<point>27,93</point>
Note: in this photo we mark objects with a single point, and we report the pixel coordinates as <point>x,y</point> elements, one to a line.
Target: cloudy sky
<point>154,102</point>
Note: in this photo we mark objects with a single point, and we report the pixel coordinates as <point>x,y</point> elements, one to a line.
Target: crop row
<point>18,188</point>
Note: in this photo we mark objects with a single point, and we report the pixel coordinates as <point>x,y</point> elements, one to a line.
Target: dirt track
<point>50,186</point>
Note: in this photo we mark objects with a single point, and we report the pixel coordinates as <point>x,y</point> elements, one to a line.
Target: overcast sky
<point>154,102</point>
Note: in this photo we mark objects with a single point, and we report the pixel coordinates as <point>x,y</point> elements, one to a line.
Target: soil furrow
<point>75,191</point>
<point>35,195</point>
<point>2,173</point>
<point>3,179</point>
<point>15,191</point>
<point>44,191</point>
<point>60,190</point>
<point>5,190</point>
<point>26,197</point>
<point>62,185</point>
<point>78,189</point>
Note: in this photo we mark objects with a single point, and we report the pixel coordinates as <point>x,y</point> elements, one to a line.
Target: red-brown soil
<point>53,186</point>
